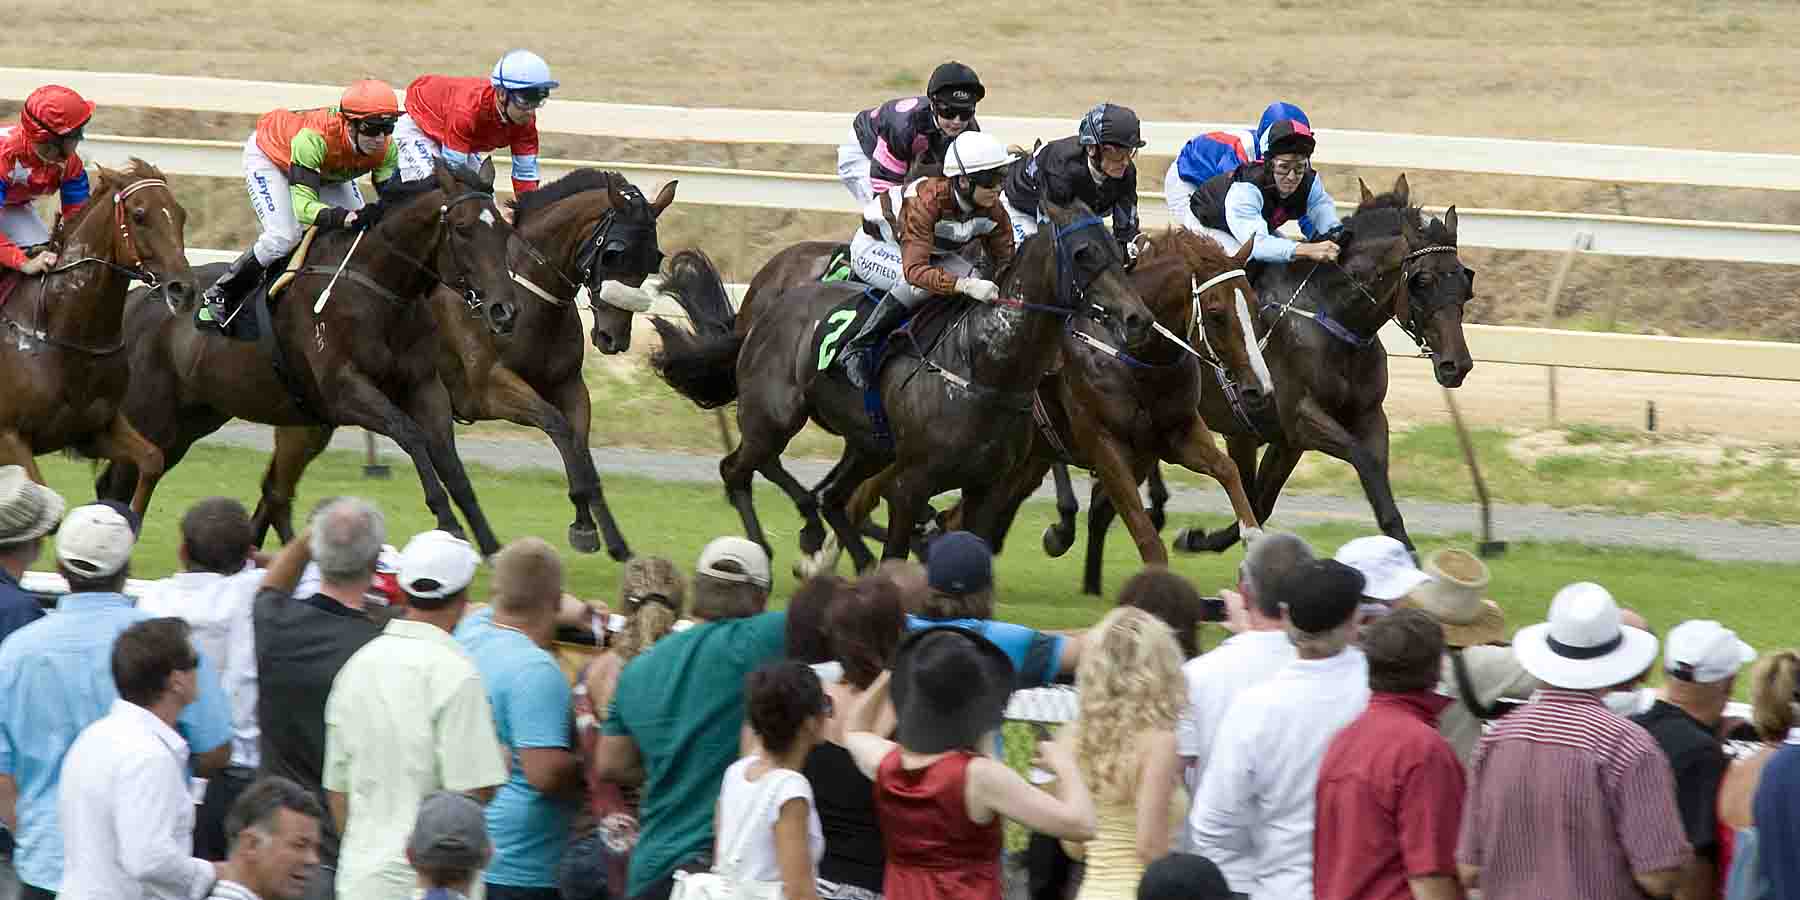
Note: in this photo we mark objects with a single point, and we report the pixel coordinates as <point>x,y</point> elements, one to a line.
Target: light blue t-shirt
<point>531,701</point>
<point>55,680</point>
<point>1036,656</point>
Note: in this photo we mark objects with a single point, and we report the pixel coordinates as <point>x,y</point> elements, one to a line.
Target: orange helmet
<point>54,111</point>
<point>369,98</point>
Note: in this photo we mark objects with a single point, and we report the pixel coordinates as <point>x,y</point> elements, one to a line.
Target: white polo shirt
<point>125,808</point>
<point>1215,678</point>
<point>217,607</point>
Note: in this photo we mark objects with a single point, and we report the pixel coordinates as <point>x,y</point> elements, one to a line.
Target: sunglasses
<point>955,113</point>
<point>989,179</point>
<point>529,98</point>
<point>375,127</point>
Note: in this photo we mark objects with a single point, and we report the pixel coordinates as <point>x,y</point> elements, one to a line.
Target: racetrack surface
<point>1705,538</point>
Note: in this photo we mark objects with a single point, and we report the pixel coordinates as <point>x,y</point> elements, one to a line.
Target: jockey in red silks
<point>463,119</point>
<point>37,156</point>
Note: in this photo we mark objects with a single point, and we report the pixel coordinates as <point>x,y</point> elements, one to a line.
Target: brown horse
<point>61,353</point>
<point>1118,415</point>
<point>583,229</point>
<point>368,358</point>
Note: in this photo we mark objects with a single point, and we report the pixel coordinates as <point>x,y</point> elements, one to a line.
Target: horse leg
<point>506,396</point>
<point>1100,517</point>
<point>430,410</point>
<point>571,399</point>
<point>1198,452</point>
<point>907,494</point>
<point>1114,472</point>
<point>1024,482</point>
<point>1159,499</point>
<point>836,492</point>
<point>1372,437</point>
<point>295,448</point>
<point>812,533</point>
<point>1060,536</point>
<point>1243,449</point>
<point>765,426</point>
<point>123,442</point>
<point>15,450</point>
<point>361,404</point>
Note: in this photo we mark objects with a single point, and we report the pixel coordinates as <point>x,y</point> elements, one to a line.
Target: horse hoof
<point>584,540</point>
<point>1190,540</point>
<point>812,539</point>
<point>1055,542</point>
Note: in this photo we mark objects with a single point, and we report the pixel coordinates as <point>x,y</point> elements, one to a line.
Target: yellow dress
<point>1113,867</point>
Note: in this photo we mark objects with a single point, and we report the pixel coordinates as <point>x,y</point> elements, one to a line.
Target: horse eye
<point>139,216</point>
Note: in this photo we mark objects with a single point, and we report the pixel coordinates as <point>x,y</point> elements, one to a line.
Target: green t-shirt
<point>682,701</point>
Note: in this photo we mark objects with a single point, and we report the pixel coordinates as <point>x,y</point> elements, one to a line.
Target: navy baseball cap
<point>959,563</point>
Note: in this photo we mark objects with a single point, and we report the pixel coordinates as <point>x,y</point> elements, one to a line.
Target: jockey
<point>1256,199</point>
<point>1095,166</point>
<point>1215,153</point>
<point>37,156</point>
<point>910,237</point>
<point>891,138</point>
<point>463,119</point>
<point>301,168</point>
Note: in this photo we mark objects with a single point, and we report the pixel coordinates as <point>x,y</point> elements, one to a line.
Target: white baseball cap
<point>1387,567</point>
<point>1703,650</point>
<point>436,564</point>
<point>752,562</point>
<point>94,541</point>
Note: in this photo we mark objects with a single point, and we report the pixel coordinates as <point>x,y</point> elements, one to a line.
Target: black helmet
<point>1290,136</point>
<point>1110,123</point>
<point>955,85</point>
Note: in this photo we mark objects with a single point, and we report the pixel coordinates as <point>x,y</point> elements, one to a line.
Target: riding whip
<point>325,295</point>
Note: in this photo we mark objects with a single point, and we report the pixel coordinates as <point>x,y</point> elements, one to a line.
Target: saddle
<point>250,320</point>
<point>914,336</point>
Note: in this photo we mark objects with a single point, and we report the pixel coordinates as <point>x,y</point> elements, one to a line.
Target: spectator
<point>447,846</point>
<point>214,594</point>
<point>865,625</point>
<point>960,571</point>
<point>1124,740</point>
<point>127,813</point>
<point>767,827</point>
<point>1479,673</point>
<point>675,717</point>
<point>1183,876</point>
<point>56,679</point>
<point>406,716</point>
<point>528,819</point>
<point>1775,709</point>
<point>1172,599</point>
<point>1567,799</point>
<point>28,511</point>
<point>273,829</point>
<point>941,803</point>
<point>302,640</point>
<point>1254,813</point>
<point>1636,695</point>
<point>907,577</point>
<point>1390,788</point>
<point>1258,649</point>
<point>1701,661</point>
<point>807,638</point>
<point>1388,570</point>
<point>651,593</point>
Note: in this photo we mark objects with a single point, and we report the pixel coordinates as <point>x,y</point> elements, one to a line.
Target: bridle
<point>471,295</point>
<point>588,256</point>
<point>1402,313</point>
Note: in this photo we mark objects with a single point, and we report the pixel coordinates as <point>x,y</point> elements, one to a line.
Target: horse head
<point>1085,273</point>
<point>623,249</point>
<point>1213,305</point>
<point>471,239</point>
<point>1430,284</point>
<point>144,226</point>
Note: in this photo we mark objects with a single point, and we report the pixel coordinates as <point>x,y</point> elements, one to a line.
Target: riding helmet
<point>1290,136</point>
<point>369,98</point>
<point>955,85</point>
<point>1110,123</point>
<point>521,70</point>
<point>975,151</point>
<point>54,111</point>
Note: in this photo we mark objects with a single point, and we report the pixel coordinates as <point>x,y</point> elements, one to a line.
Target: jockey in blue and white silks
<point>1257,198</point>
<point>1217,152</point>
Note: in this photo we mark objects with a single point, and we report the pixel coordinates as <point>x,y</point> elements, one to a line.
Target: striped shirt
<point>1568,800</point>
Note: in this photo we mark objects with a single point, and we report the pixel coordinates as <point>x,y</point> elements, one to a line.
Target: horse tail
<point>701,363</point>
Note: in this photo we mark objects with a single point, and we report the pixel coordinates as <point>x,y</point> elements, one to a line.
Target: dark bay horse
<point>583,229</point>
<point>959,418</point>
<point>1330,368</point>
<point>368,359</point>
<point>62,353</point>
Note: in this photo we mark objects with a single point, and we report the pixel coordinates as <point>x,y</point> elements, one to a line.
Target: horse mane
<point>1194,250</point>
<point>579,181</point>
<point>405,192</point>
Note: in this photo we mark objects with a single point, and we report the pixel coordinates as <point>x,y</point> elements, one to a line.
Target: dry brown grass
<point>1615,72</point>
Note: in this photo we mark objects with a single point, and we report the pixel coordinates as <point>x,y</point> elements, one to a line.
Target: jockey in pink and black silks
<point>888,140</point>
<point>37,156</point>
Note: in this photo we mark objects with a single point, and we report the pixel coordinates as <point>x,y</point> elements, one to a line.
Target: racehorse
<point>958,411</point>
<point>1330,368</point>
<point>367,358</point>
<point>582,229</point>
<point>1117,414</point>
<point>61,352</point>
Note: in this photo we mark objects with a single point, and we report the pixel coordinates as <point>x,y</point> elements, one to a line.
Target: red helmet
<point>54,111</point>
<point>369,98</point>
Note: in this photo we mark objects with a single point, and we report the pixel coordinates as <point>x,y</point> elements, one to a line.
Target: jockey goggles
<point>954,113</point>
<point>374,126</point>
<point>988,179</point>
<point>64,140</point>
<point>528,98</point>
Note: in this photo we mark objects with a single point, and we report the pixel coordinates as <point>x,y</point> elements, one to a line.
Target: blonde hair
<point>650,593</point>
<point>1774,685</point>
<point>1130,680</point>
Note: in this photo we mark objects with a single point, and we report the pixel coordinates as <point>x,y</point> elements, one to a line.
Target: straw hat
<point>1456,597</point>
<point>28,510</point>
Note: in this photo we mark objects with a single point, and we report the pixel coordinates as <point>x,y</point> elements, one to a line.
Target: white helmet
<point>522,70</point>
<point>973,152</point>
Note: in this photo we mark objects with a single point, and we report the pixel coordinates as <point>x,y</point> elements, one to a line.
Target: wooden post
<point>373,467</point>
<point>1487,547</point>
<point>1582,241</point>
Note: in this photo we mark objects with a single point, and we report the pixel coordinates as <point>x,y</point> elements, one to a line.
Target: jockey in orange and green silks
<point>300,168</point>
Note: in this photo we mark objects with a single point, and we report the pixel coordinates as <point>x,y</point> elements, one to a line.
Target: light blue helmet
<point>522,70</point>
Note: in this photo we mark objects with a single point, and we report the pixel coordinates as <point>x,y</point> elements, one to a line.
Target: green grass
<point>676,520</point>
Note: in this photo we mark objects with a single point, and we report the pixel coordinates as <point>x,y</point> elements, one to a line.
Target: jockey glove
<point>331,217</point>
<point>367,217</point>
<point>978,289</point>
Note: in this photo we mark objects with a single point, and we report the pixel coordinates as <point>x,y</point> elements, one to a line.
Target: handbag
<point>723,882</point>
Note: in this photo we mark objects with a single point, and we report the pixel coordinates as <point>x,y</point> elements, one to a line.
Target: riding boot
<point>855,356</point>
<point>223,297</point>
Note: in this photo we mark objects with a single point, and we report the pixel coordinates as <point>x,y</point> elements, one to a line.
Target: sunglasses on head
<point>530,98</point>
<point>374,127</point>
<point>989,179</point>
<point>957,113</point>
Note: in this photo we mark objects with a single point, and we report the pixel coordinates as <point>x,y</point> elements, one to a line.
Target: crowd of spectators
<point>344,719</point>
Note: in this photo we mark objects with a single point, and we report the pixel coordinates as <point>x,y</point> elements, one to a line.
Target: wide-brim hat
<point>28,510</point>
<point>1456,596</point>
<point>1584,646</point>
<point>950,687</point>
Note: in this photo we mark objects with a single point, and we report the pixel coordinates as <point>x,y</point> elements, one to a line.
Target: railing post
<point>373,467</point>
<point>1582,241</point>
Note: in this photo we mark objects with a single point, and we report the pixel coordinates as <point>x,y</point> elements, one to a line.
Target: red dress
<point>934,852</point>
